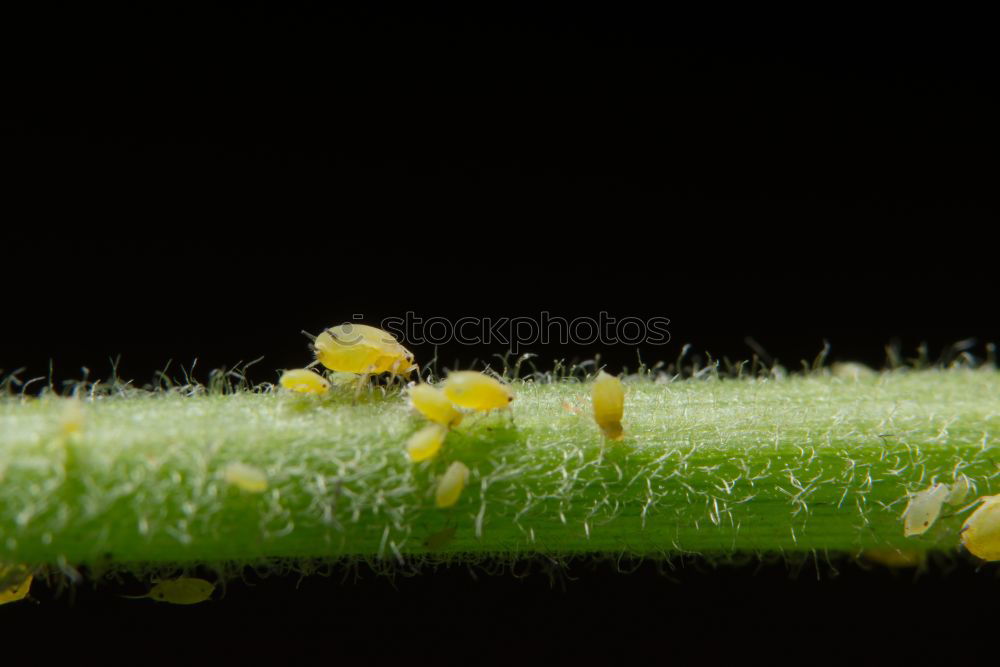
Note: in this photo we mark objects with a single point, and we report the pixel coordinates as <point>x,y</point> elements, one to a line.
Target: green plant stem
<point>709,466</point>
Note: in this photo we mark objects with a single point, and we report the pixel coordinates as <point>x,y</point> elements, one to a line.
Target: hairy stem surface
<point>710,466</point>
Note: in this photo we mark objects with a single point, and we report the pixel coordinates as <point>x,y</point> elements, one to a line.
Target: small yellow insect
<point>433,404</point>
<point>923,509</point>
<point>608,396</point>
<point>449,489</point>
<point>426,443</point>
<point>15,582</point>
<point>183,590</point>
<point>304,381</point>
<point>245,477</point>
<point>470,389</point>
<point>981,531</point>
<point>359,348</point>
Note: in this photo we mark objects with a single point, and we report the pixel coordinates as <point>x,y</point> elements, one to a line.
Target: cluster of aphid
<point>980,533</point>
<point>461,389</point>
<point>360,350</point>
<point>352,353</point>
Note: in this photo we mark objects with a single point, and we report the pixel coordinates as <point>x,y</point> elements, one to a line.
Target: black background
<point>205,184</point>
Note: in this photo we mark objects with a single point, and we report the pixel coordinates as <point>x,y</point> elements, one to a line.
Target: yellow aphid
<point>15,582</point>
<point>981,532</point>
<point>473,390</point>
<point>245,477</point>
<point>183,590</point>
<point>449,489</point>
<point>433,404</point>
<point>359,348</point>
<point>426,443</point>
<point>923,509</point>
<point>304,381</point>
<point>608,396</point>
<point>959,490</point>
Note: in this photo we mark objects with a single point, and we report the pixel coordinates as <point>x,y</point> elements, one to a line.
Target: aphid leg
<point>363,379</point>
<point>402,377</point>
<point>308,335</point>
